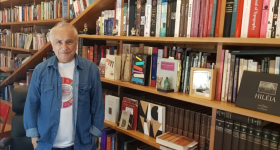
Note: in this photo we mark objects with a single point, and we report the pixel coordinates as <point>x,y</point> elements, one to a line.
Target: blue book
<point>64,8</point>
<point>154,67</point>
<point>213,18</point>
<point>233,20</point>
<point>235,80</point>
<point>163,18</point>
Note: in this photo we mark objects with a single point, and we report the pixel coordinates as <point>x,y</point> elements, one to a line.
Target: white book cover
<point>228,76</point>
<point>255,67</point>
<point>224,76</point>
<point>270,18</point>
<point>241,65</point>
<point>113,67</point>
<point>118,16</point>
<point>177,19</point>
<point>245,18</point>
<point>148,11</point>
<point>112,107</point>
<point>277,62</point>
<point>158,18</point>
<point>277,35</point>
<point>189,18</point>
<point>250,65</point>
<point>127,19</point>
<point>171,69</point>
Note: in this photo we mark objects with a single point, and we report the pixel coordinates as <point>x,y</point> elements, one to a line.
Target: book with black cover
<point>140,69</point>
<point>257,138</point>
<point>250,137</point>
<point>243,136</point>
<point>259,92</point>
<point>227,134</point>
<point>132,12</point>
<point>235,135</point>
<point>219,133</point>
<point>228,17</point>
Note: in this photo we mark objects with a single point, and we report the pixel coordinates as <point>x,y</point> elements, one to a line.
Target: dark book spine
<point>219,132</point>
<point>265,139</point>
<point>250,137</point>
<point>168,19</point>
<point>186,18</point>
<point>235,135</point>
<point>274,140</point>
<point>182,17</point>
<point>257,138</point>
<point>176,120</point>
<point>230,87</point>
<point>274,21</point>
<point>167,117</point>
<point>153,18</point>
<point>138,17</point>
<point>243,136</point>
<point>203,129</point>
<point>181,121</point>
<point>235,80</point>
<point>208,129</point>
<point>228,17</point>
<point>197,126</point>
<point>171,118</point>
<point>227,134</point>
<point>191,126</point>
<point>186,123</point>
<point>80,47</point>
<point>173,17</point>
<point>143,17</point>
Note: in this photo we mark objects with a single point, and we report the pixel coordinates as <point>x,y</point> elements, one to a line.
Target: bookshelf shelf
<point>135,134</point>
<point>213,41</point>
<point>19,49</point>
<point>36,22</point>
<point>4,69</point>
<point>184,97</point>
<point>6,102</point>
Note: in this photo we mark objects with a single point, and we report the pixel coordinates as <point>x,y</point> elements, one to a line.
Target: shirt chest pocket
<point>84,94</point>
<point>46,94</point>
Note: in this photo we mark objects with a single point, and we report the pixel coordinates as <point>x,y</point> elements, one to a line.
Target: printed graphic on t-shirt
<point>67,92</point>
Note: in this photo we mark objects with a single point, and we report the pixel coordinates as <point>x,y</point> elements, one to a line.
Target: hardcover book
<point>151,120</point>
<point>132,106</point>
<point>140,69</point>
<point>259,92</point>
<point>112,107</point>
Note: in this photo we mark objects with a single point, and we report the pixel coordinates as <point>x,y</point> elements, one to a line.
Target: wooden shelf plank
<point>135,134</point>
<point>19,49</point>
<point>185,97</point>
<point>214,41</point>
<point>37,22</point>
<point>5,69</point>
<point>6,102</point>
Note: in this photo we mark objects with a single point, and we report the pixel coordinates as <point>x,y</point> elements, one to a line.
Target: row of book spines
<point>162,24</point>
<point>111,141</point>
<point>189,123</point>
<point>251,18</point>
<point>236,135</point>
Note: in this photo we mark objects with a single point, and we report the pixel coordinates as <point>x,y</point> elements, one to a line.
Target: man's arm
<point>31,107</point>
<point>97,106</point>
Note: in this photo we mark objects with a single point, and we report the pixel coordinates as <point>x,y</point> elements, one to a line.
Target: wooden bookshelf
<point>19,49</point>
<point>193,40</point>
<point>5,69</point>
<point>36,22</point>
<point>6,102</point>
<point>135,134</point>
<point>185,97</point>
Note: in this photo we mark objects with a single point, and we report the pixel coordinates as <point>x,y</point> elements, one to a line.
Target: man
<point>64,107</point>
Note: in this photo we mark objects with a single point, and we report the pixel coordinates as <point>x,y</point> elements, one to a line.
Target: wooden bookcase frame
<point>94,11</point>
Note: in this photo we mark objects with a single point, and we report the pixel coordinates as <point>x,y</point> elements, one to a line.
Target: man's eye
<point>69,42</point>
<point>59,42</point>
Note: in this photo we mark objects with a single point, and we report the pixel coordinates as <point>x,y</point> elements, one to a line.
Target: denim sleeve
<point>97,108</point>
<point>31,106</point>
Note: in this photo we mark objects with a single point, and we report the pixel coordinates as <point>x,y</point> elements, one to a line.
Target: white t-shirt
<point>65,134</point>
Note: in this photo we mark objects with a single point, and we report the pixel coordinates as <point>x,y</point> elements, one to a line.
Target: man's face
<point>64,44</point>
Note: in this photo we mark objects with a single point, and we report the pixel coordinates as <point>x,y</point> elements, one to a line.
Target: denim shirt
<point>42,107</point>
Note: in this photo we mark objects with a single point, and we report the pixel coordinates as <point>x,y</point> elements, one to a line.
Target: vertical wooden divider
<point>217,67</point>
<point>212,130</point>
<point>120,47</point>
<point>222,19</point>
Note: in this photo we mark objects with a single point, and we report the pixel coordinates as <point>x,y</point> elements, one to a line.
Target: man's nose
<point>64,46</point>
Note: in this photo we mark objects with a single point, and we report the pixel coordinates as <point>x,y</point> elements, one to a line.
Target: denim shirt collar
<point>54,62</point>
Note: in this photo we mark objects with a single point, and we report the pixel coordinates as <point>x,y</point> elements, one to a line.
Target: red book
<point>218,18</point>
<point>91,53</point>
<point>103,51</point>
<point>108,146</point>
<point>88,53</point>
<point>95,52</point>
<point>218,95</point>
<point>201,18</point>
<point>193,18</point>
<point>239,18</point>
<point>255,19</point>
<point>207,18</point>
<point>130,104</point>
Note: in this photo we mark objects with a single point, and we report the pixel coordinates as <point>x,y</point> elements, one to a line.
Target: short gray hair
<point>63,24</point>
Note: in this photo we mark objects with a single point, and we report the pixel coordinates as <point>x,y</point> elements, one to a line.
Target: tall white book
<point>189,19</point>
<point>112,107</point>
<point>158,21</point>
<point>245,18</point>
<point>118,16</point>
<point>148,15</point>
<point>113,67</point>
<point>177,19</point>
<point>270,18</point>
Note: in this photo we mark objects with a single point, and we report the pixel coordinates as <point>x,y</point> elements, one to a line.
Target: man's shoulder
<point>43,65</point>
<point>87,64</point>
